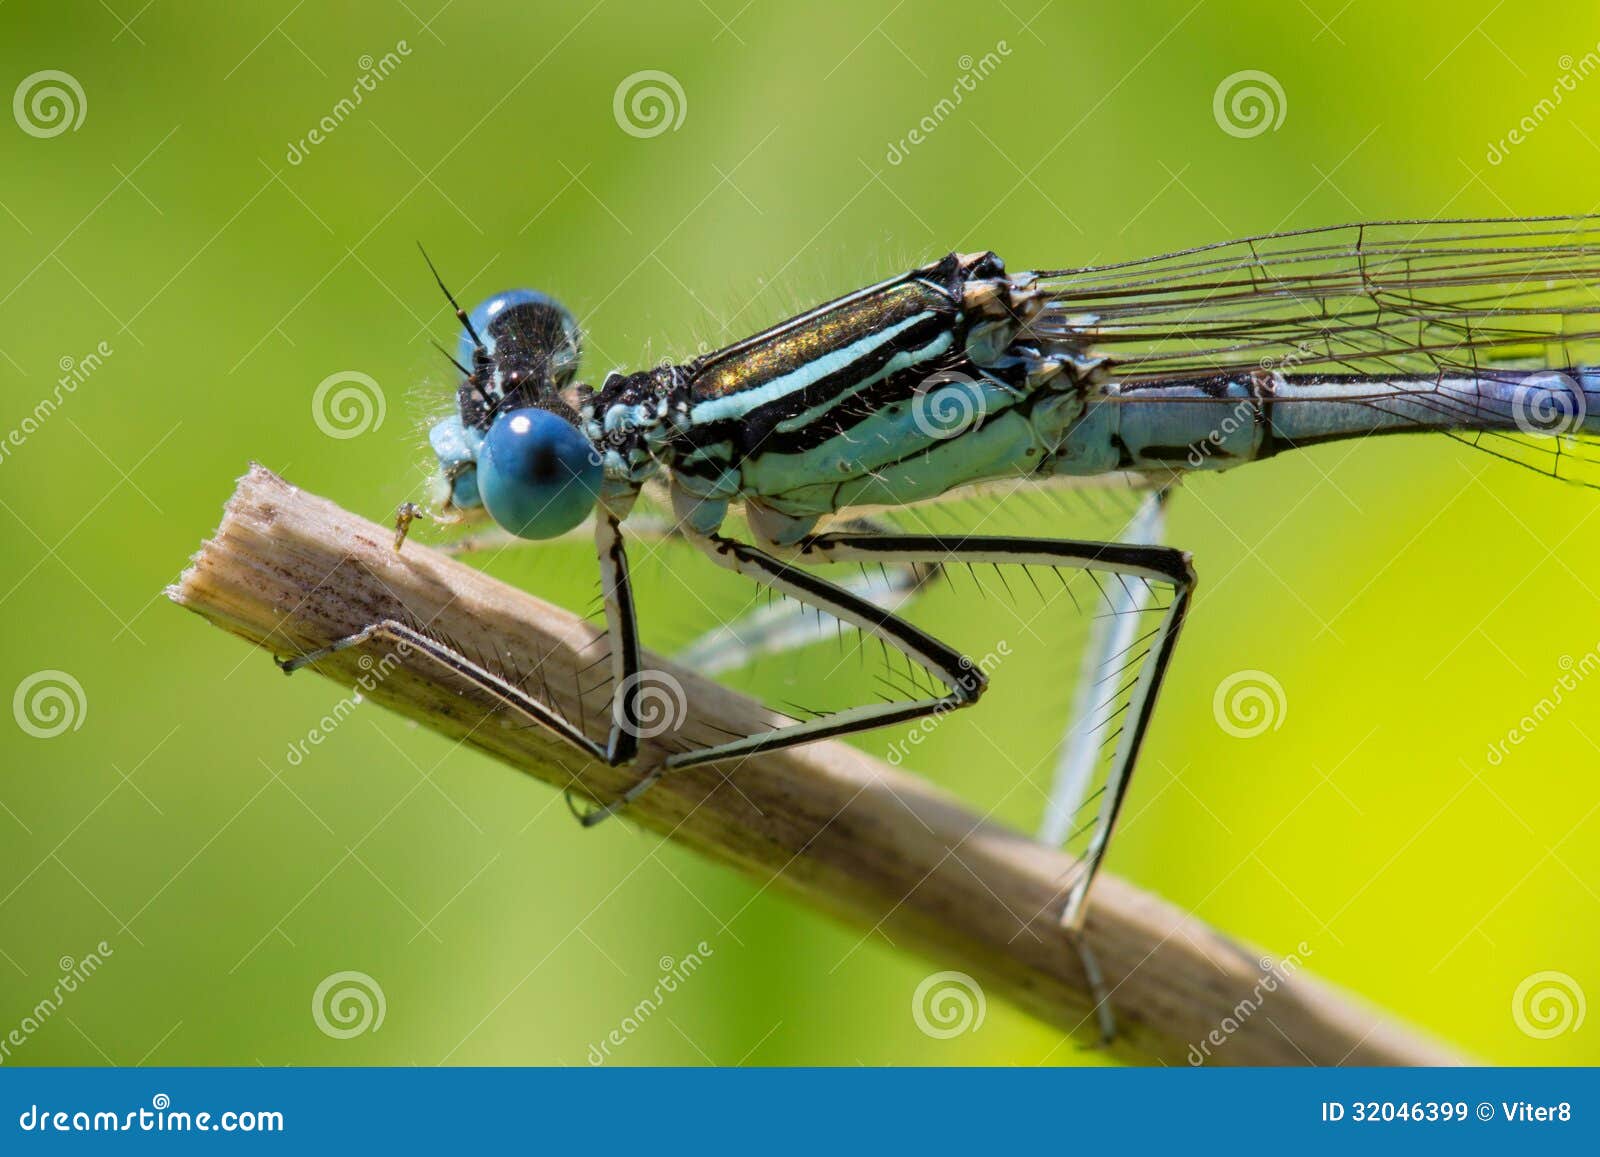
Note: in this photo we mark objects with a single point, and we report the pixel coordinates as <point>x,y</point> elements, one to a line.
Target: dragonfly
<point>960,377</point>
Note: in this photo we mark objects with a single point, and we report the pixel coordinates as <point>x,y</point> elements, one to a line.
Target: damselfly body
<point>960,375</point>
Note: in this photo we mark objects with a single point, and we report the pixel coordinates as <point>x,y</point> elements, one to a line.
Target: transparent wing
<point>1395,301</point>
<point>1398,297</point>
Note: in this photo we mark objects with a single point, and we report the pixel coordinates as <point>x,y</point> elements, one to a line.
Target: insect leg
<point>965,681</point>
<point>1150,563</point>
<point>788,625</point>
<point>1161,564</point>
<point>409,639</point>
<point>622,742</point>
<point>1111,636</point>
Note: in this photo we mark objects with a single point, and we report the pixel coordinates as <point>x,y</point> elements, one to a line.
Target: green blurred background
<point>1412,598</point>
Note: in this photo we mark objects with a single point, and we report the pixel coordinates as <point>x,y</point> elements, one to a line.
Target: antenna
<point>461,314</point>
<point>450,358</point>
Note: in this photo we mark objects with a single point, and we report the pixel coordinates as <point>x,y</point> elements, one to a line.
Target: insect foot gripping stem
<point>404,516</point>
<point>1095,982</point>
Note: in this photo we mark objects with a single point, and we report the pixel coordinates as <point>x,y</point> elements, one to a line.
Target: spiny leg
<point>622,627</point>
<point>409,639</point>
<point>1159,563</point>
<point>954,670</point>
<point>788,625</point>
<point>1160,645</point>
<point>1111,636</point>
<point>622,741</point>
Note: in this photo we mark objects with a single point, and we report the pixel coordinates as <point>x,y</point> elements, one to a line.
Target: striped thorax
<point>850,402</point>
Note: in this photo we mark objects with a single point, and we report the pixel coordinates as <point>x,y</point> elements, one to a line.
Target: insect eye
<point>529,335</point>
<point>538,475</point>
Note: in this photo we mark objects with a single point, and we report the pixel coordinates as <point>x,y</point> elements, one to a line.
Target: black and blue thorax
<point>830,396</point>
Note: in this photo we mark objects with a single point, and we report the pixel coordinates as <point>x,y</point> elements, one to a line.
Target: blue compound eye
<point>530,337</point>
<point>537,475</point>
